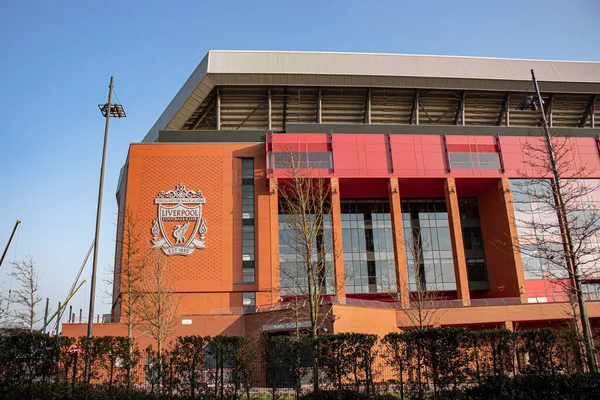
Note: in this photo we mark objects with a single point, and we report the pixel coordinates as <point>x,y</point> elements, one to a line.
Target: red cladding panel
<point>414,156</point>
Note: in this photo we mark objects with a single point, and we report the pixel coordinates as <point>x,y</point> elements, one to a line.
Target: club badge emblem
<point>179,228</point>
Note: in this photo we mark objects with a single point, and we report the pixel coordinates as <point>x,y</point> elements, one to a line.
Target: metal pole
<point>46,315</point>
<point>77,277</point>
<point>97,236</point>
<point>80,314</point>
<point>57,320</point>
<point>9,240</point>
<point>566,229</point>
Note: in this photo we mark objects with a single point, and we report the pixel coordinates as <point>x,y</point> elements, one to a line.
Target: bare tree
<point>308,265</point>
<point>159,304</point>
<point>125,281</point>
<point>4,308</point>
<point>26,296</point>
<point>423,310</point>
<point>306,231</point>
<point>558,220</point>
<point>132,261</point>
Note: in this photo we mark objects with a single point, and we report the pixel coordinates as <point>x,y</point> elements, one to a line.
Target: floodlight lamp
<point>529,103</point>
<point>116,110</point>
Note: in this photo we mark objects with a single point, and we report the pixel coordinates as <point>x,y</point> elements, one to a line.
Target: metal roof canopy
<point>370,70</point>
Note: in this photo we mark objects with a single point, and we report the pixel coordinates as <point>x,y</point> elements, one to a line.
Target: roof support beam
<point>589,111</point>
<point>252,113</point>
<point>549,110</point>
<point>285,100</point>
<point>204,114</point>
<point>505,111</point>
<point>269,120</point>
<point>460,112</point>
<point>462,108</point>
<point>414,114</point>
<point>592,112</point>
<point>319,107</point>
<point>426,113</point>
<point>218,109</point>
<point>448,110</point>
<point>368,107</point>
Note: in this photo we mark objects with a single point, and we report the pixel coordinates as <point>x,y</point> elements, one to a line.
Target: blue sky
<point>56,59</point>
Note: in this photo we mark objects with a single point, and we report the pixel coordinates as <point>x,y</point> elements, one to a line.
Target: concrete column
<point>458,249</point>
<point>274,225</point>
<point>398,238</point>
<point>509,325</point>
<point>338,245</point>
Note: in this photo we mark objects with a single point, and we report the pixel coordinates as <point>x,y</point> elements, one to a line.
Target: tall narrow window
<point>248,220</point>
<point>473,243</point>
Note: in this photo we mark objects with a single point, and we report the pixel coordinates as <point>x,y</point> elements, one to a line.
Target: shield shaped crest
<point>179,228</point>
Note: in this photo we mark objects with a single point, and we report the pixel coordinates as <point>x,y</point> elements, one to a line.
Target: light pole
<point>565,229</point>
<point>108,110</point>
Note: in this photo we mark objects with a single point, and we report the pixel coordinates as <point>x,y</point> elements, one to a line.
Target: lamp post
<point>564,227</point>
<point>108,110</point>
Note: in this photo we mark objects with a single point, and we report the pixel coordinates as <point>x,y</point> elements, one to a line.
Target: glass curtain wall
<point>427,244</point>
<point>537,227</point>
<point>540,240</point>
<point>369,262</point>
<point>295,262</point>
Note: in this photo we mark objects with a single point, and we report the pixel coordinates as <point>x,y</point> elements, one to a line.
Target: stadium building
<point>426,147</point>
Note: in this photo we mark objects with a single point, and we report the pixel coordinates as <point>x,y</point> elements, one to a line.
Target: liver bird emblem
<point>179,232</point>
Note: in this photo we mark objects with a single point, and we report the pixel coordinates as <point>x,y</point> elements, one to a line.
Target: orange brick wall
<point>364,320</point>
<point>214,169</point>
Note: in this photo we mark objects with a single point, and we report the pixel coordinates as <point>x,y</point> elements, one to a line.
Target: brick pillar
<point>509,325</point>
<point>274,227</point>
<point>505,268</point>
<point>338,245</point>
<point>398,238</point>
<point>458,250</point>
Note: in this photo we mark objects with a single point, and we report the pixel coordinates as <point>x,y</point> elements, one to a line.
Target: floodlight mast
<point>9,241</point>
<point>108,110</point>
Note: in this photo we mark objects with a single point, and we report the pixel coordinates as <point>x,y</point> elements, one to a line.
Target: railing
<point>534,298</point>
<point>98,319</point>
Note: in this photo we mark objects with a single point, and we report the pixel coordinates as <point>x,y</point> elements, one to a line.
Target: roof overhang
<point>263,68</point>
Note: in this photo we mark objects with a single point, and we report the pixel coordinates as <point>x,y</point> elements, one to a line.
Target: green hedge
<point>428,363</point>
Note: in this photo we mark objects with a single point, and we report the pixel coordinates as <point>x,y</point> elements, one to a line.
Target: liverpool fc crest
<point>179,222</point>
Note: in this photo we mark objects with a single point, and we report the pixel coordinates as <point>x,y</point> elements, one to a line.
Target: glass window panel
<point>363,239</point>
<point>428,239</point>
<point>248,299</point>
<point>537,227</point>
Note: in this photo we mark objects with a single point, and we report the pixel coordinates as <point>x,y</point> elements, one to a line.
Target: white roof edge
<point>399,65</point>
<point>399,54</point>
<point>180,98</point>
